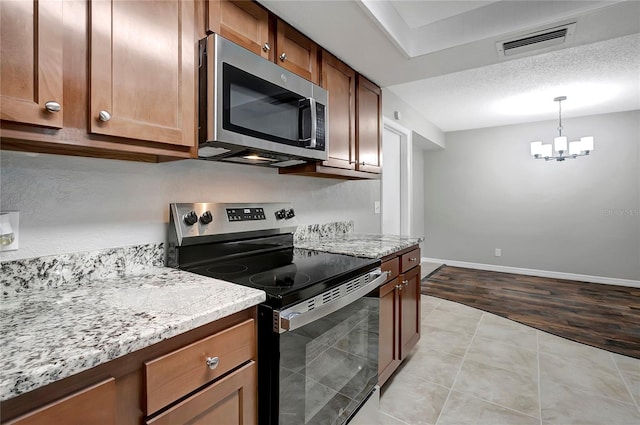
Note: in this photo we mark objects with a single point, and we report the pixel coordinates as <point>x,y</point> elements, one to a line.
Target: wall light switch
<point>498,252</point>
<point>9,230</point>
<point>376,207</point>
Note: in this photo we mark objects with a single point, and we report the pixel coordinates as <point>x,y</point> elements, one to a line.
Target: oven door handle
<point>290,319</point>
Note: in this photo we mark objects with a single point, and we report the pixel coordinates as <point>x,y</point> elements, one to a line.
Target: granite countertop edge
<point>51,334</point>
<point>366,245</point>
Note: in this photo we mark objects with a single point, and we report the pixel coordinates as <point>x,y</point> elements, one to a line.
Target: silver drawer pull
<point>104,116</point>
<point>213,362</point>
<point>52,106</point>
<point>413,259</point>
<point>406,282</point>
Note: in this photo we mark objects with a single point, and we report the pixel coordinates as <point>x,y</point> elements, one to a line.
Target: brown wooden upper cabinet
<point>340,81</point>
<point>244,22</point>
<point>368,126</point>
<point>355,125</point>
<point>143,70</point>
<point>296,52</point>
<point>251,26</point>
<point>31,66</point>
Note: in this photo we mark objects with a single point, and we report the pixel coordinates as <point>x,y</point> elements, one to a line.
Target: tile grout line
<point>444,405</point>
<point>539,375</point>
<point>624,381</point>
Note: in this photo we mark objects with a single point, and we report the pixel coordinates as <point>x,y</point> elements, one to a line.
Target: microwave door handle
<point>314,122</point>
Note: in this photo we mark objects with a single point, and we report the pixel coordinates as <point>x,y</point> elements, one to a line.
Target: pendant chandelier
<point>577,148</point>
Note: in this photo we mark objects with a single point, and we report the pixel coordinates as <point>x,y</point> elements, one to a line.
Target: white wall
<point>70,204</point>
<point>431,136</point>
<point>417,218</point>
<point>484,191</point>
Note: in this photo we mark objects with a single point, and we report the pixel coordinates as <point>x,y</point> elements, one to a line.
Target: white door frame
<point>406,180</point>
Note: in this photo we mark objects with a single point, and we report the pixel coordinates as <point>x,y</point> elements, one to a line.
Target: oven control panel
<point>202,222</point>
<point>245,214</point>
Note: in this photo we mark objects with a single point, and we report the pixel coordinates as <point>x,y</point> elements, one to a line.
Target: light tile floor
<point>476,368</point>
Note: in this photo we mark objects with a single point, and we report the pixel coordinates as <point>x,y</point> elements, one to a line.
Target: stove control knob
<point>290,213</point>
<point>190,218</point>
<point>206,217</point>
<point>280,214</point>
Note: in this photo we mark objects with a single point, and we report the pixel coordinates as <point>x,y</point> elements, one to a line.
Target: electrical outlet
<point>376,207</point>
<point>9,230</point>
<point>498,252</point>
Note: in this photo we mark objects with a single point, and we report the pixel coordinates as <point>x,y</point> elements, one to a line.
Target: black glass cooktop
<point>287,275</point>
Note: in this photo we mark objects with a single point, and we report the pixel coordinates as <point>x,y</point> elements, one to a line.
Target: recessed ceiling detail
<point>466,23</point>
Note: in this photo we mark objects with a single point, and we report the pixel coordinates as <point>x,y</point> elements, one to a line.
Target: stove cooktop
<point>288,275</point>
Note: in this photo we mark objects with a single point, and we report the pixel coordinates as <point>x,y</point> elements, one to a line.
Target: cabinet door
<point>94,405</point>
<point>369,126</point>
<point>244,22</point>
<point>143,70</point>
<point>340,81</point>
<point>296,52</point>
<point>388,351</point>
<point>409,310</point>
<point>230,401</point>
<point>31,66</point>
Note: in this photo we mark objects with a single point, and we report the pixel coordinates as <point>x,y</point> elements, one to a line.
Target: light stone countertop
<point>64,314</point>
<point>359,244</point>
<point>54,331</point>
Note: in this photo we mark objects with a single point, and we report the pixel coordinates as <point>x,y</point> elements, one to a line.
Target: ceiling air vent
<point>538,40</point>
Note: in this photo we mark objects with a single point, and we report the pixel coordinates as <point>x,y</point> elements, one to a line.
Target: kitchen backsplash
<point>52,271</point>
<point>74,269</point>
<point>317,231</point>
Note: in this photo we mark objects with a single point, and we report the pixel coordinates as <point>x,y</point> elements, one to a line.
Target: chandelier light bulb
<point>560,143</point>
<point>587,143</point>
<point>575,147</point>
<point>536,148</point>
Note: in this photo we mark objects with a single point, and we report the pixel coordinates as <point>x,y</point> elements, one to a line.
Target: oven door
<point>320,370</point>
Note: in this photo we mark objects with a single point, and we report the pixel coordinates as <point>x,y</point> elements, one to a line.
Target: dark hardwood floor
<point>603,316</point>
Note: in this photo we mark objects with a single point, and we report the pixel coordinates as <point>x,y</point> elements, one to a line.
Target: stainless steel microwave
<point>252,111</point>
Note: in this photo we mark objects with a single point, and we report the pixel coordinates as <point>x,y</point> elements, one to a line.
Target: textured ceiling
<point>459,81</point>
<point>596,78</point>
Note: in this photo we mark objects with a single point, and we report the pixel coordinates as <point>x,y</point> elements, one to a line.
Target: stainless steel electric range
<point>317,330</point>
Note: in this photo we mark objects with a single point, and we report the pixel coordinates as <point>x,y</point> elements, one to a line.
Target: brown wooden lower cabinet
<point>207,375</point>
<point>399,311</point>
<point>229,401</point>
<point>93,405</point>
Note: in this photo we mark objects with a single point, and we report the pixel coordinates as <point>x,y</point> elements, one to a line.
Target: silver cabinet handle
<point>413,259</point>
<point>399,287</point>
<point>213,362</point>
<point>266,47</point>
<point>405,282</point>
<point>283,57</point>
<point>52,106</point>
<point>104,116</point>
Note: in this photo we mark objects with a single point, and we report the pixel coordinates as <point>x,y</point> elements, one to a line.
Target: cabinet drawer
<point>176,374</point>
<point>409,260</point>
<point>232,400</point>
<point>392,267</point>
<point>94,405</point>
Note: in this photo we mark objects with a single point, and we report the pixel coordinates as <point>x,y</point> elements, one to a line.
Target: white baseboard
<point>535,272</point>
